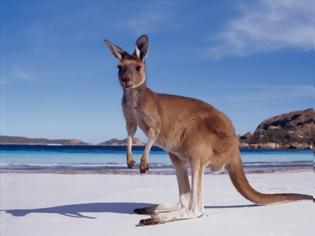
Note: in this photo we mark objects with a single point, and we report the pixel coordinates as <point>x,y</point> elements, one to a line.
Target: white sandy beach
<point>93,204</point>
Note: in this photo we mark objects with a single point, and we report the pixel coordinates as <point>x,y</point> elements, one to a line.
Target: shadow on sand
<point>76,210</point>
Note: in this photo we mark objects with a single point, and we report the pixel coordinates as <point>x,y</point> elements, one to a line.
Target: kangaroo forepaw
<point>144,167</point>
<point>131,163</point>
<point>130,160</point>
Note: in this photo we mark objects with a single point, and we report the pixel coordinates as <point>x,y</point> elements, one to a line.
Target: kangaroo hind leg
<point>183,188</point>
<point>195,206</point>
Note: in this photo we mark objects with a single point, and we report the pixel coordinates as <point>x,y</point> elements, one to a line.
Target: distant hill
<point>290,130</point>
<point>39,141</point>
<point>121,142</point>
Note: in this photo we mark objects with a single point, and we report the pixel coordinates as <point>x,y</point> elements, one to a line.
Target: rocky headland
<point>293,130</point>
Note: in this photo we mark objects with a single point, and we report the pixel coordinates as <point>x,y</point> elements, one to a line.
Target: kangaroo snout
<point>126,82</point>
<point>126,79</point>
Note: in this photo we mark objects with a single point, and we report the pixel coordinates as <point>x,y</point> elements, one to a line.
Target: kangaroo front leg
<point>152,135</point>
<point>131,128</point>
<point>130,159</point>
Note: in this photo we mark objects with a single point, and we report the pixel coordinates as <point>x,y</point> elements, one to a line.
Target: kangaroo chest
<point>142,120</point>
<point>146,117</point>
<point>142,117</point>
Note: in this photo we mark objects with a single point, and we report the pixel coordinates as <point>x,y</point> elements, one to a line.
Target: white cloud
<point>277,93</point>
<point>267,26</point>
<point>263,96</point>
<point>19,74</point>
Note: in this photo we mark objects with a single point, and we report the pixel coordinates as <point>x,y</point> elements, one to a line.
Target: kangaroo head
<point>131,68</point>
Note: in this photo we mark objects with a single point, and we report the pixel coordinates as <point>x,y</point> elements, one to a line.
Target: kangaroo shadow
<point>77,210</point>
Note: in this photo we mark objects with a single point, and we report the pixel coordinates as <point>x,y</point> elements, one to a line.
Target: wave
<point>156,166</point>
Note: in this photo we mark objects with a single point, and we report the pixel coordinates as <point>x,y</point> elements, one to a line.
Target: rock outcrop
<point>121,142</point>
<point>290,130</point>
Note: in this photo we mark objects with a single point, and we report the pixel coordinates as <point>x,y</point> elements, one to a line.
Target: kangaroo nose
<point>126,79</point>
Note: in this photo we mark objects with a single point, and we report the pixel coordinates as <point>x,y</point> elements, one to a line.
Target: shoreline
<point>169,170</point>
<point>103,160</point>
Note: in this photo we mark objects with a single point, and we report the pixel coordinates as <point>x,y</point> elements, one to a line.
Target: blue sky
<point>251,59</point>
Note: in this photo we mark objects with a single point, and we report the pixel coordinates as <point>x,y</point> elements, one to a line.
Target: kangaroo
<point>194,133</point>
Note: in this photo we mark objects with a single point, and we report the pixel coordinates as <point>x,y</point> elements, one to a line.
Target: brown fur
<point>193,132</point>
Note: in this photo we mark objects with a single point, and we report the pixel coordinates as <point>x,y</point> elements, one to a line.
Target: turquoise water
<point>116,156</point>
<point>57,158</point>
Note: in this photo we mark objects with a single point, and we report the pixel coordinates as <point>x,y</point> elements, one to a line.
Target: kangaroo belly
<point>173,135</point>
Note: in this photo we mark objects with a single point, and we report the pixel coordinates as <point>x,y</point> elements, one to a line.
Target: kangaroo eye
<point>138,68</point>
<point>119,67</point>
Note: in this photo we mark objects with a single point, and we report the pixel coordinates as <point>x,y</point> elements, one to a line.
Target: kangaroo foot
<point>154,209</point>
<point>144,166</point>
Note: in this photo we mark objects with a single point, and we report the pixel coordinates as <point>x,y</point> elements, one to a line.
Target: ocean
<point>109,159</point>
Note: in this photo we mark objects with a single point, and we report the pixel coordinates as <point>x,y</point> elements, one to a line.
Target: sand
<point>94,204</point>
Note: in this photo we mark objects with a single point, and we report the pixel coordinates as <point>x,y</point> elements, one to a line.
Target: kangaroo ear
<point>141,47</point>
<point>116,51</point>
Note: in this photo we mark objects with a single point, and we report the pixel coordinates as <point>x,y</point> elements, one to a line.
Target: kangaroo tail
<point>239,180</point>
